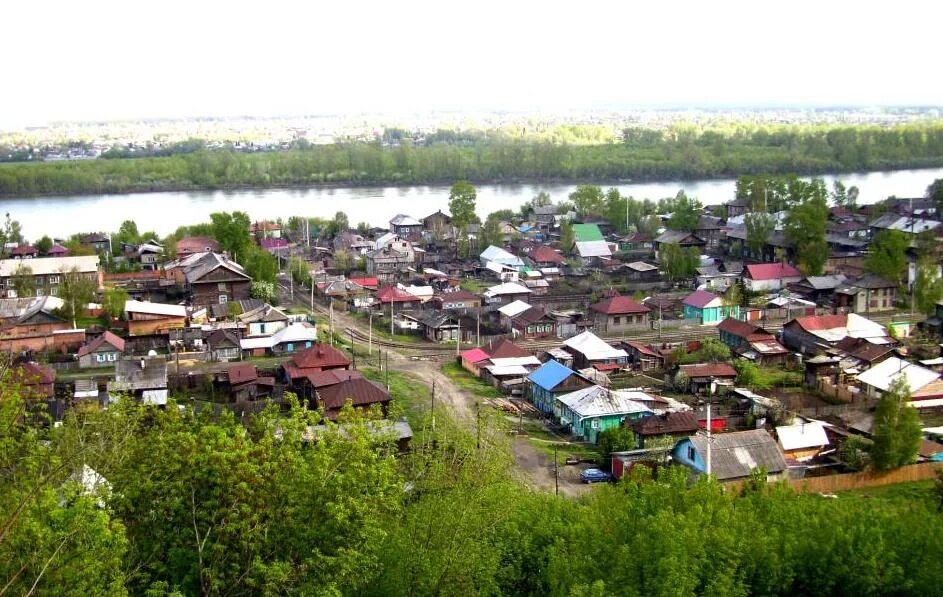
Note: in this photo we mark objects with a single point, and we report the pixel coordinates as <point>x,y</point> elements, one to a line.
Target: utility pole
<point>478,425</point>
<point>556,472</point>
<point>458,337</point>
<point>708,436</point>
<point>387,371</point>
<point>331,319</point>
<point>353,352</point>
<point>312,293</point>
<point>391,318</point>
<point>433,404</point>
<point>478,327</point>
<point>370,337</point>
<point>913,284</point>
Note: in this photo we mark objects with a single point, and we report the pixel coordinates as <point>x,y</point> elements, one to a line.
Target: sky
<point>108,60</point>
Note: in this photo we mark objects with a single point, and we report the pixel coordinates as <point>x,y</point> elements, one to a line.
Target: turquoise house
<point>707,308</point>
<point>590,411</point>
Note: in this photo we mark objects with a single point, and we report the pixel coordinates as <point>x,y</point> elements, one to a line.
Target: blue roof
<point>550,374</point>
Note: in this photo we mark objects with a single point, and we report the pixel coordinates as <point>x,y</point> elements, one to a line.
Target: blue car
<point>595,475</point>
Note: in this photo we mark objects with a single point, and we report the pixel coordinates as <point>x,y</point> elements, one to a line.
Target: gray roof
<point>737,454</point>
<point>130,376</point>
<point>823,282</point>
<point>676,236</point>
<point>208,262</point>
<point>871,281</point>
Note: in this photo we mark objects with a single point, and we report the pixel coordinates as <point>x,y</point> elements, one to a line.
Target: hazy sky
<point>98,59</point>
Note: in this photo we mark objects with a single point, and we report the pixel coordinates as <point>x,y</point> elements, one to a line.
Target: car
<point>595,475</point>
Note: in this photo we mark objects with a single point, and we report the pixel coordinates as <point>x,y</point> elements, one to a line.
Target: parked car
<point>595,475</point>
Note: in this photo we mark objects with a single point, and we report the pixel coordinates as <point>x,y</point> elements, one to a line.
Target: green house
<point>707,308</point>
<point>592,410</point>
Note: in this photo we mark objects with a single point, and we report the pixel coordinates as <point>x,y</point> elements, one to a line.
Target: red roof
<point>458,295</point>
<point>544,254</point>
<point>822,322</point>
<point>392,294</point>
<point>771,271</point>
<point>504,349</point>
<point>619,305</point>
<point>106,338</point>
<point>57,250</point>
<point>699,299</point>
<point>361,392</point>
<point>370,283</point>
<point>324,379</point>
<point>741,329</point>
<point>242,373</point>
<point>319,356</point>
<point>196,244</point>
<point>641,348</point>
<point>24,250</point>
<point>709,370</point>
<point>606,366</point>
<point>31,373</point>
<point>475,355</point>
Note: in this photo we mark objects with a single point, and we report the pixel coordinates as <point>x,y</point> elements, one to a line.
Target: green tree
<point>127,233</point>
<point>588,200</point>
<point>76,290</point>
<point>839,194</point>
<point>113,301</point>
<point>887,255</point>
<point>896,432</point>
<point>805,226</point>
<point>43,245</point>
<point>935,194</point>
<point>343,261</point>
<point>541,199</point>
<point>231,230</point>
<point>264,291</point>
<point>685,212</point>
<point>758,226</point>
<point>23,281</point>
<point>615,439</point>
<point>678,263</point>
<point>928,286</point>
<point>462,204</point>
<point>851,198</point>
<point>567,236</point>
<point>259,264</point>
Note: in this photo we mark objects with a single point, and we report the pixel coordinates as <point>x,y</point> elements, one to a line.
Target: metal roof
<point>597,401</point>
<point>737,454</point>
<point>550,375</point>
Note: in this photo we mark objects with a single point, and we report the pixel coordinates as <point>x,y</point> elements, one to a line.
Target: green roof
<point>587,232</point>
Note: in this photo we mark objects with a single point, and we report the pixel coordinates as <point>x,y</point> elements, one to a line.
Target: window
<point>39,291</point>
<point>112,356</point>
<point>616,320</point>
<point>691,453</point>
<point>53,279</point>
<point>221,286</point>
<point>223,299</point>
<point>53,291</point>
<point>9,282</point>
<point>100,358</point>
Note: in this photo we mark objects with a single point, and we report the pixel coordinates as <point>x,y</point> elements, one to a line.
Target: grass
<point>544,440</point>
<point>469,383</point>
<point>381,330</point>
<point>474,286</point>
<point>917,492</point>
<point>89,373</point>
<point>411,398</point>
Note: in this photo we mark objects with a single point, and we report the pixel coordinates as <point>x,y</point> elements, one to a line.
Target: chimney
<point>142,362</point>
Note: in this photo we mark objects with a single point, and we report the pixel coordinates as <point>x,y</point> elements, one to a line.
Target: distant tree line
<point>643,154</point>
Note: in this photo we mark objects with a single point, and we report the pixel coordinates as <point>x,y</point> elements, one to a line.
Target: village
<point>732,364</point>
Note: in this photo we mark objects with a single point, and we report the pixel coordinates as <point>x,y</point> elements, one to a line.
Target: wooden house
<point>734,456</point>
<point>619,313</point>
<point>103,351</point>
<point>147,319</point>
<point>550,380</point>
<point>802,441</point>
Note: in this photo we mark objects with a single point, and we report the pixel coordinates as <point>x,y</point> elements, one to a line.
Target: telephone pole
<point>433,404</point>
<point>556,472</point>
<point>370,337</point>
<point>478,425</point>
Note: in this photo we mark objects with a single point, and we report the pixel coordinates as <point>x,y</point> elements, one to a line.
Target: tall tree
<point>685,212</point>
<point>928,286</point>
<point>231,230</point>
<point>887,255</point>
<point>24,283</point>
<point>896,431</point>
<point>113,301</point>
<point>759,225</point>
<point>805,225</point>
<point>839,194</point>
<point>851,197</point>
<point>935,194</point>
<point>76,290</point>
<point>588,200</point>
<point>567,236</point>
<point>462,199</point>
<point>678,263</point>
<point>43,244</point>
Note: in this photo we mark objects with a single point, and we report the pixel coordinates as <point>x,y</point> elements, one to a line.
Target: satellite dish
<point>152,353</point>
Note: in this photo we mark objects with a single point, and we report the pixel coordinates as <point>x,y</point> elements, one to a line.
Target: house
<point>224,345</point>
<point>737,207</point>
<point>144,379</point>
<point>147,319</point>
<point>590,350</point>
<point>861,354</point>
<point>734,332</point>
<point>672,424</point>
<point>319,357</point>
<point>818,289</point>
<point>97,241</point>
<point>505,265</point>
<point>33,325</point>
<point>57,251</point>
<point>545,215</point>
<point>710,230</point>
<point>275,246</point>
<point>512,310</point>
<point>263,320</point>
<point>707,308</point>
<point>265,229</point>
<point>148,254</point>
<point>474,359</point>
<point>190,245</point>
<point>36,381</point>
<point>397,299</point>
<point>102,351</point>
<point>439,225</point>
<point>705,377</point>
<point>760,277</point>
<point>592,410</point>
<point>803,441</point>
<point>619,313</point>
<point>392,259</point>
<point>505,293</point>
<point>242,382</point>
<point>638,242</point>
<point>24,252</point>
<point>924,383</point>
<point>734,456</point>
<point>405,226</point>
<point>438,326</point>
<point>874,294</point>
<point>904,223</point>
<point>534,322</point>
<point>358,391</point>
<point>682,238</point>
<point>210,278</point>
<point>813,335</point>
<point>550,380</point>
<point>47,272</point>
<point>290,339</point>
<point>456,300</point>
<point>508,373</point>
<point>645,357</point>
<point>589,242</point>
<point>752,342</point>
<point>640,271</point>
<point>349,241</point>
<point>544,256</point>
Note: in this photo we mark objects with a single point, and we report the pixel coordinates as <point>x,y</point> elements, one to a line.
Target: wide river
<point>164,212</point>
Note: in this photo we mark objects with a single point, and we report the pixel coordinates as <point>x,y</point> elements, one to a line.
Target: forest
<point>175,502</point>
<point>678,152</point>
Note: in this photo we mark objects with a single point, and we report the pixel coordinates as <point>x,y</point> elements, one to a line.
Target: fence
<point>847,481</point>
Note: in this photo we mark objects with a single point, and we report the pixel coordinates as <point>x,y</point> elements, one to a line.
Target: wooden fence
<point>848,481</point>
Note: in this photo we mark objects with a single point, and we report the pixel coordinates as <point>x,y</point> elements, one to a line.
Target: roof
<point>739,328</point>
<point>404,220</point>
<point>105,339</point>
<point>544,254</point>
<point>641,348</point>
<point>323,379</point>
<point>529,360</point>
<point>57,251</point>
<point>677,236</point>
<point>802,435</point>
<point>550,375</point>
<point>641,266</point>
<point>503,348</point>
<point>708,370</point>
<point>475,355</point>
<point>24,250</point>
<point>771,271</point>
<point>273,243</point>
<point>619,305</point>
<point>155,308</point>
<point>823,282</point>
<point>392,294</point>
<point>531,315</point>
<point>593,248</point>
<point>199,265</point>
<point>587,232</point>
<point>514,309</point>
<point>458,295</point>
<point>502,370</point>
<point>43,266</point>
<point>593,347</point>
<point>499,255</point>
<point>320,355</point>
<point>360,391</point>
<point>197,244</point>
<point>871,281</point>
<point>221,337</point>
<point>507,288</point>
<point>295,332</point>
<point>737,454</point>
<point>833,328</point>
<point>241,373</point>
<point>881,376</point>
<point>667,423</point>
<point>597,401</point>
<point>904,223</point>
<point>130,375</point>
<point>371,282</point>
<point>701,299</point>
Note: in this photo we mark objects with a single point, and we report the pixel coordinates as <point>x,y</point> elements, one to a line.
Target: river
<point>164,212</point>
